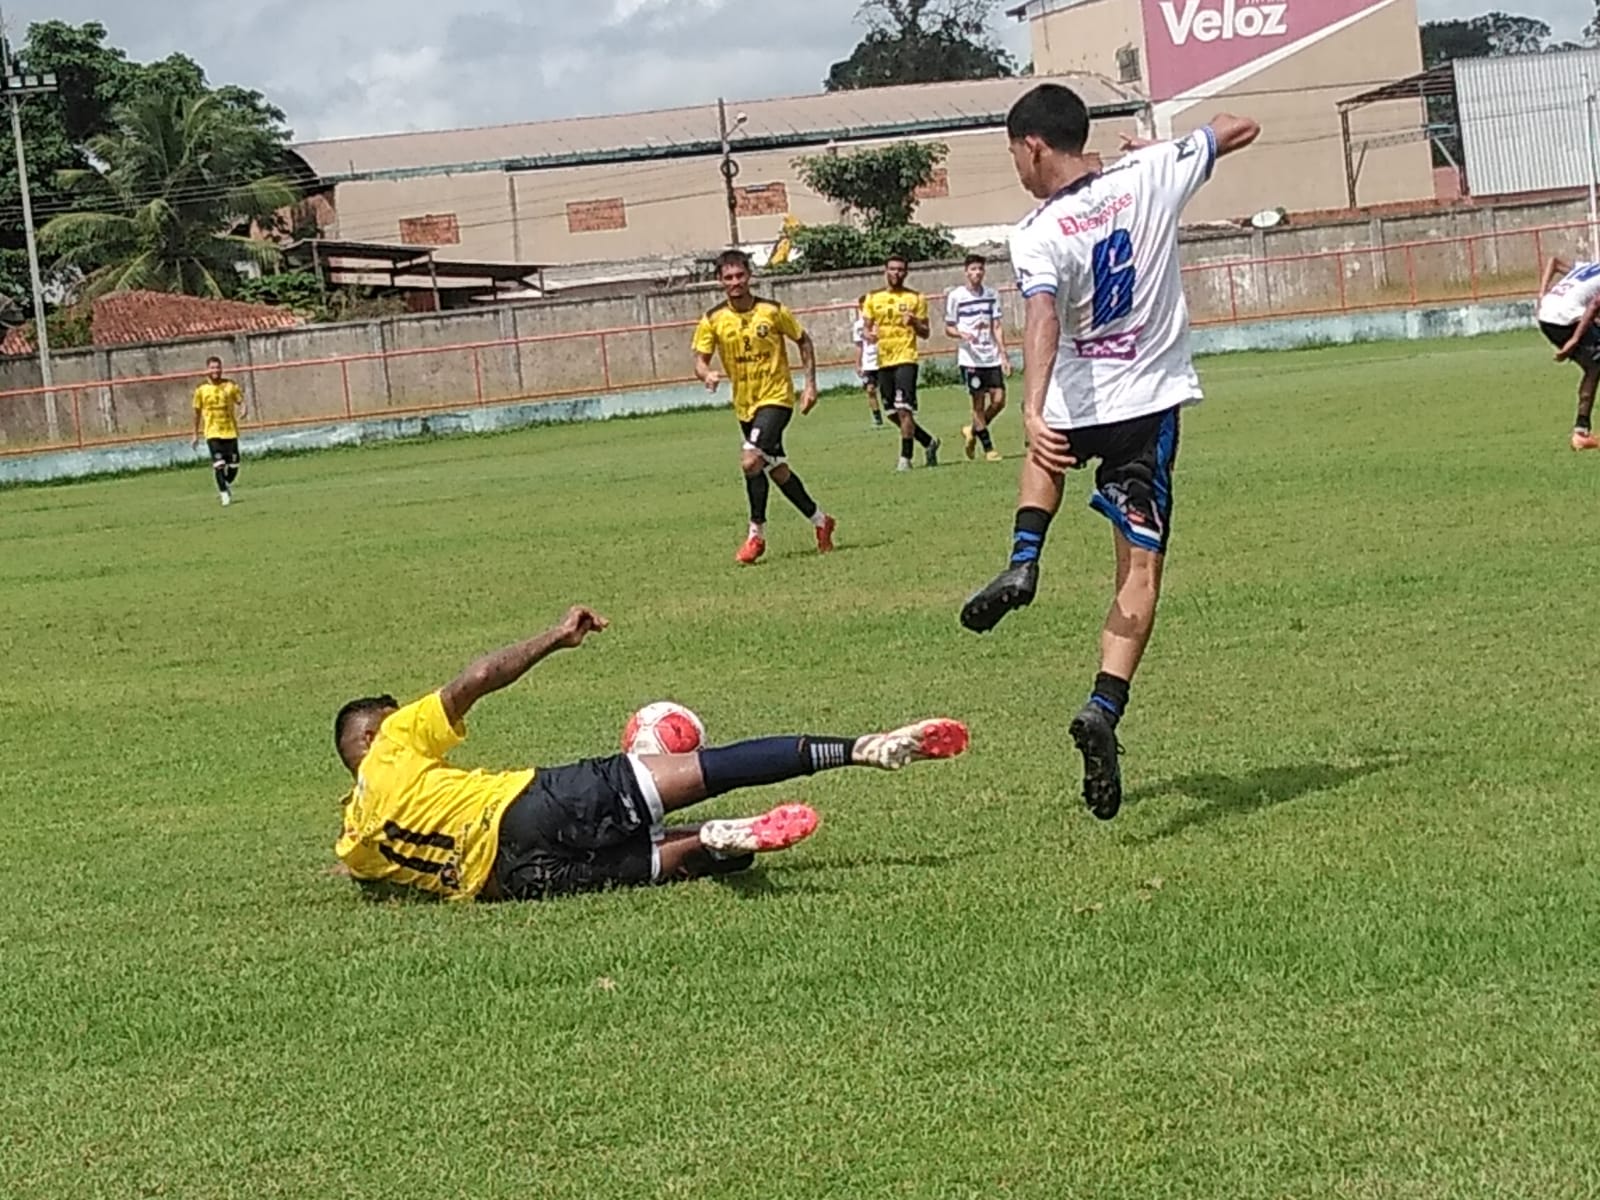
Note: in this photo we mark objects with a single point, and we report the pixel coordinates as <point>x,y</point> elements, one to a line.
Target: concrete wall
<point>493,355</point>
<point>1456,321</point>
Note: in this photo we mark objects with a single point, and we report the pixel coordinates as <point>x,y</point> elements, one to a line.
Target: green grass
<point>1340,943</point>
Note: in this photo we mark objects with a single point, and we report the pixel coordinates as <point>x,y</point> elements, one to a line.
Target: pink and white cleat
<point>1582,439</point>
<point>779,829</point>
<point>939,737</point>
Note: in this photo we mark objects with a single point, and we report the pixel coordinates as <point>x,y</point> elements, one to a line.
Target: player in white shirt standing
<point>972,319</point>
<point>1567,312</point>
<point>866,343</point>
<point>1106,367</point>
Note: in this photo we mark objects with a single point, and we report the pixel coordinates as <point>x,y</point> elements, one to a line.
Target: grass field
<point>1340,943</point>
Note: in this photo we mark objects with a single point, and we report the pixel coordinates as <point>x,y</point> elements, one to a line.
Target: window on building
<point>596,216</point>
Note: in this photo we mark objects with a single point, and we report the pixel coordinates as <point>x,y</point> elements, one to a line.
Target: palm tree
<point>176,178</point>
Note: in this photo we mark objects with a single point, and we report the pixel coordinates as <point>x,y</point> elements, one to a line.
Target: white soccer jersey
<point>1107,249</point>
<point>975,312</point>
<point>1566,302</point>
<point>869,350</point>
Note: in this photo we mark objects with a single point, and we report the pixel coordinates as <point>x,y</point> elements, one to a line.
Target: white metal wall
<point>1523,120</point>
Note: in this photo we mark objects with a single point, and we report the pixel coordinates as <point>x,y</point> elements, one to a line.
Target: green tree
<point>879,183</point>
<point>174,180</point>
<point>1483,36</point>
<point>880,186</point>
<point>93,79</point>
<point>922,41</point>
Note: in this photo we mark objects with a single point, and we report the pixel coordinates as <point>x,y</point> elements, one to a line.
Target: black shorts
<point>869,379</point>
<point>898,386</point>
<point>763,432</point>
<point>578,828</point>
<point>224,451</point>
<point>984,379</point>
<point>1587,355</point>
<point>1133,483</point>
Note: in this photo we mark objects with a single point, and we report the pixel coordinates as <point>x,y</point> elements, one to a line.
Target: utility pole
<point>15,87</point>
<point>1594,167</point>
<point>730,168</point>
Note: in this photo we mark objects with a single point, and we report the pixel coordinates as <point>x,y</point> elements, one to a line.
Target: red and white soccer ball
<point>663,728</point>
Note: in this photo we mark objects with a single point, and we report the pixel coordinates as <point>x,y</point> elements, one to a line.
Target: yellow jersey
<point>413,819</point>
<point>218,406</point>
<point>754,352</point>
<point>892,312</point>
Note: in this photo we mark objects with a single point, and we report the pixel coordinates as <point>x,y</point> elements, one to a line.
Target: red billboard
<point>1189,43</point>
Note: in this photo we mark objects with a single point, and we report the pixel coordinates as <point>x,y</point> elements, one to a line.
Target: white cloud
<point>342,67</point>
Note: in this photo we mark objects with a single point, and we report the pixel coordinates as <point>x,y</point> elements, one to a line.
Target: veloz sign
<point>1190,44</point>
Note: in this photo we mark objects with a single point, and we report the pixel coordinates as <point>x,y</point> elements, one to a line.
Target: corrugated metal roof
<point>1522,120</point>
<point>800,120</point>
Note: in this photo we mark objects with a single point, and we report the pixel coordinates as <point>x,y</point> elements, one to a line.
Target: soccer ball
<point>663,728</point>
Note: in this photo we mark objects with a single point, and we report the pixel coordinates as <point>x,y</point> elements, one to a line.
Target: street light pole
<point>730,168</point>
<point>15,87</point>
<point>1594,168</point>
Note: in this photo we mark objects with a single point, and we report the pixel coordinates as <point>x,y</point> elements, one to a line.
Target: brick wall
<point>596,216</point>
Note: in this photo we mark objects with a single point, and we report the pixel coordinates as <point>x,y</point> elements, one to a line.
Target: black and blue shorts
<point>984,379</point>
<point>582,827</point>
<point>1587,355</point>
<point>1133,482</point>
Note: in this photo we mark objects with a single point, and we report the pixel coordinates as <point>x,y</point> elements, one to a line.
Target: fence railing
<point>537,366</point>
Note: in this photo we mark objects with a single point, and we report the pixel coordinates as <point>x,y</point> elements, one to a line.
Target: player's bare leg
<point>1123,639</point>
<point>1582,429</point>
<point>1039,495</point>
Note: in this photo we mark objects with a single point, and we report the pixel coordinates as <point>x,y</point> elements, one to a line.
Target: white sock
<point>819,518</point>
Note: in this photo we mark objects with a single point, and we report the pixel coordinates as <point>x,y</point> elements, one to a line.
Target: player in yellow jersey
<point>750,335</point>
<point>898,316</point>
<point>414,820</point>
<point>218,405</point>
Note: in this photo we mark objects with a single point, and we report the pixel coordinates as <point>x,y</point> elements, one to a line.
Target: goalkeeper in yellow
<point>750,335</point>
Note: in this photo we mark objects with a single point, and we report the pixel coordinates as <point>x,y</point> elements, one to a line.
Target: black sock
<point>222,478</point>
<point>771,760</point>
<point>905,447</point>
<point>795,492</point>
<point>1111,694</point>
<point>1585,411</point>
<point>757,488</point>
<point>984,439</point>
<point>922,435</point>
<point>1027,537</point>
<point>233,473</point>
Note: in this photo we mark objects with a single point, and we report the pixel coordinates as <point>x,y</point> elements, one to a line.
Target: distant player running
<point>1569,303</point>
<point>416,821</point>
<point>751,337</point>
<point>218,405</point>
<point>972,319</point>
<point>898,316</point>
<point>867,363</point>
<point>1107,367</point>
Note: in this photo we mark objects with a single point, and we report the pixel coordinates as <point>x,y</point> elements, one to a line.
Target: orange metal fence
<point>551,366</point>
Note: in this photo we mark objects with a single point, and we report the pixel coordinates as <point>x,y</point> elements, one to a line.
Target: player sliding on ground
<point>413,819</point>
<point>748,333</point>
<point>1106,367</point>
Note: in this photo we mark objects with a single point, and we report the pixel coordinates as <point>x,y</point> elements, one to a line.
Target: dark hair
<point>977,260</point>
<point>897,258</point>
<point>353,710</point>
<point>732,258</point>
<point>1053,114</point>
<point>213,359</point>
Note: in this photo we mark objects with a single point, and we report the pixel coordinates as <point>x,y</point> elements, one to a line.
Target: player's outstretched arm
<point>1553,270</point>
<point>1233,133</point>
<point>509,664</point>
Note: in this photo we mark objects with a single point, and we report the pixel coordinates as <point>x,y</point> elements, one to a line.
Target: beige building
<point>608,189</point>
<point>1288,63</point>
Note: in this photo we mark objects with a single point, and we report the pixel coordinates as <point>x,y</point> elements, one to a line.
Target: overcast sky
<point>343,67</point>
